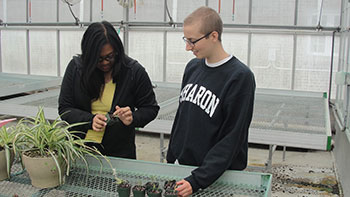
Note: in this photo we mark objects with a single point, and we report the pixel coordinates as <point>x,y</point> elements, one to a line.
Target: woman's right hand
<point>99,122</point>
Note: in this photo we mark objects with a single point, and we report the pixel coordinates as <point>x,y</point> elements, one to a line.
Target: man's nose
<point>188,47</point>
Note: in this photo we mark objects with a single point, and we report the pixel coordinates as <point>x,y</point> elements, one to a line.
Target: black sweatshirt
<point>133,89</point>
<point>210,129</point>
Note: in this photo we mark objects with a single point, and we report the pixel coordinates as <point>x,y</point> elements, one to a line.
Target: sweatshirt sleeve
<point>145,100</point>
<point>67,107</point>
<point>238,111</point>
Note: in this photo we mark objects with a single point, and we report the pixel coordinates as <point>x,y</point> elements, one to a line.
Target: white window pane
<point>69,46</point>
<point>273,12</point>
<point>180,9</point>
<point>236,44</point>
<point>309,11</point>
<point>112,11</point>
<point>147,48</point>
<point>147,11</point>
<point>271,60</point>
<point>44,11</point>
<point>13,51</point>
<point>313,63</point>
<point>43,52</point>
<point>16,11</point>
<point>177,57</point>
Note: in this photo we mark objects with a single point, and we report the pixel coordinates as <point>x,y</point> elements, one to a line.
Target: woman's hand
<point>184,188</point>
<point>124,114</point>
<point>99,122</point>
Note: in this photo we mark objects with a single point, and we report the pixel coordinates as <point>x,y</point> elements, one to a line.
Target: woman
<point>104,80</point>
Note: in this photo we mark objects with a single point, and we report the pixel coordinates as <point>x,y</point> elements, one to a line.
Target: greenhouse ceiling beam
<point>167,24</point>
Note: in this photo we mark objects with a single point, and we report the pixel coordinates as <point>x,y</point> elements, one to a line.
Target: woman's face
<point>106,59</point>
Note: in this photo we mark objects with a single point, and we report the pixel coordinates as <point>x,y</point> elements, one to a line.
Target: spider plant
<point>7,136</point>
<point>38,137</point>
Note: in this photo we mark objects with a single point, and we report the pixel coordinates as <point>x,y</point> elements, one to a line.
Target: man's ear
<point>215,35</point>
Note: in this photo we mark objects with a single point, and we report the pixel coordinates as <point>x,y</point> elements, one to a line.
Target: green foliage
<point>7,135</point>
<point>39,137</point>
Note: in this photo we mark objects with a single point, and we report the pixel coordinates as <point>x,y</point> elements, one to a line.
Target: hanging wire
<point>171,22</point>
<point>319,17</point>
<point>71,11</point>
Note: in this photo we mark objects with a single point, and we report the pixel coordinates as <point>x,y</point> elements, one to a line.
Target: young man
<point>215,106</point>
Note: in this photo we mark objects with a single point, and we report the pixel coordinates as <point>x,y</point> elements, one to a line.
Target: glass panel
<point>273,12</point>
<point>236,44</point>
<point>16,11</point>
<point>112,11</point>
<point>313,63</point>
<point>271,60</point>
<point>69,47</point>
<point>13,53</point>
<point>232,14</point>
<point>177,57</point>
<point>147,11</point>
<point>309,11</point>
<point>147,49</point>
<point>2,10</point>
<point>43,52</point>
<point>44,11</point>
<point>180,9</point>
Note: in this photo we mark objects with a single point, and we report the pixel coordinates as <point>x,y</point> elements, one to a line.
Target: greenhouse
<point>269,91</point>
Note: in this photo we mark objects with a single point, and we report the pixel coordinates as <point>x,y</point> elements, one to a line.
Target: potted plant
<point>49,149</point>
<point>153,190</point>
<point>123,188</point>
<point>139,190</point>
<point>7,136</point>
<point>170,188</point>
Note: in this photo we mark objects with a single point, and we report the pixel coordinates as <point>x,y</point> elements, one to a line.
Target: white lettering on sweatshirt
<point>202,97</point>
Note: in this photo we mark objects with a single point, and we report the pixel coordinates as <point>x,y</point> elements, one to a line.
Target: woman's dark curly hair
<point>95,37</point>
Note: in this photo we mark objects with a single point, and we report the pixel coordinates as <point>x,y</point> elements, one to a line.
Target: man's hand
<point>99,122</point>
<point>124,114</point>
<point>184,188</point>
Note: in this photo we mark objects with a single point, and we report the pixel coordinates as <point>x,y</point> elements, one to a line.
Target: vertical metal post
<point>58,33</point>
<point>284,153</point>
<point>165,44</point>
<point>126,30</point>
<point>249,34</point>
<point>90,10</point>
<point>27,38</point>
<point>331,69</point>
<point>162,148</point>
<point>0,51</point>
<point>295,45</point>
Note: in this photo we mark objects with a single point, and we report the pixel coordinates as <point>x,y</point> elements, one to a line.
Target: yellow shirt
<point>101,106</point>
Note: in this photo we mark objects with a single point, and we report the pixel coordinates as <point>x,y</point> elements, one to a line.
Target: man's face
<point>195,41</point>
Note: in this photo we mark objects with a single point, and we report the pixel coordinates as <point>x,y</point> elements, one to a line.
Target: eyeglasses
<point>109,58</point>
<point>191,43</point>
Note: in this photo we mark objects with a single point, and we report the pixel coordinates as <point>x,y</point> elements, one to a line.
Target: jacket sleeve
<point>238,109</point>
<point>67,107</point>
<point>145,100</point>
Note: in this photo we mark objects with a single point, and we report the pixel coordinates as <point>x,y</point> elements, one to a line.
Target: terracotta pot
<point>43,171</point>
<point>3,164</point>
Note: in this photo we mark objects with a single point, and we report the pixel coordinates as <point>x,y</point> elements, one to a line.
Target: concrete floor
<point>302,173</point>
